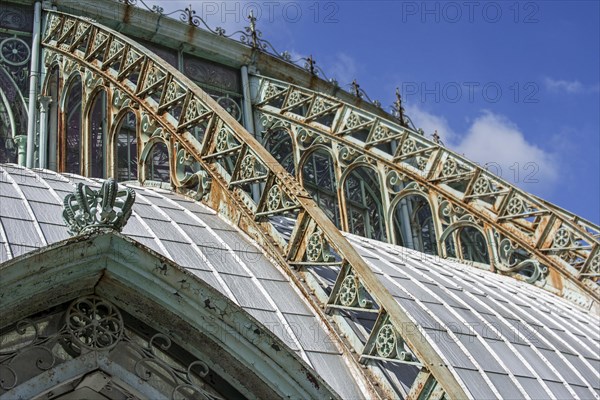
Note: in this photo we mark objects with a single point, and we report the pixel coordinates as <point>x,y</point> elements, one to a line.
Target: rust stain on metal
<point>127,14</point>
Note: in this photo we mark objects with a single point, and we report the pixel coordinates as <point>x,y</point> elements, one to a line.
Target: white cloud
<point>430,123</point>
<point>559,85</point>
<point>493,141</point>
<point>342,68</point>
<point>571,87</point>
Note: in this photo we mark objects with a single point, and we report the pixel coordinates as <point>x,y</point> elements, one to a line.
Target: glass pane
<point>473,245</point>
<point>97,135</point>
<point>126,149</point>
<point>73,127</point>
<point>363,200</point>
<point>279,144</point>
<point>157,163</point>
<point>318,177</point>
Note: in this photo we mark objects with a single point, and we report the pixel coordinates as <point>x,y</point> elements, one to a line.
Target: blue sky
<point>515,85</point>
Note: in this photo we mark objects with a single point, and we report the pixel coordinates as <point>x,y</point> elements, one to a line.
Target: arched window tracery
<point>364,206</point>
<point>71,142</point>
<point>467,243</point>
<point>279,143</point>
<point>52,91</point>
<point>318,177</point>
<point>125,155</point>
<point>97,128</point>
<point>156,163</point>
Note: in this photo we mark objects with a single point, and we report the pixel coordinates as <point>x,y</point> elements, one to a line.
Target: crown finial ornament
<point>87,209</point>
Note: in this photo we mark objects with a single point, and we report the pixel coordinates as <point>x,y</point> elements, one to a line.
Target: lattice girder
<point>162,97</point>
<point>450,181</point>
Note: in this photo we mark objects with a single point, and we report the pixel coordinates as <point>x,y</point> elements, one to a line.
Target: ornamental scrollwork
<point>26,351</point>
<point>482,186</point>
<point>448,212</point>
<point>353,121</point>
<point>389,344</point>
<point>52,25</point>
<point>449,167</point>
<point>421,163</point>
<point>115,47</point>
<point>347,155</point>
<point>51,57</point>
<point>394,180</point>
<point>348,295</point>
<point>317,248</point>
<point>317,107</point>
<point>408,146</point>
<point>87,209</point>
<point>154,75</point>
<point>270,122</point>
<point>69,66</point>
<point>14,51</point>
<point>271,90</point>
<point>385,342</point>
<point>594,264</point>
<point>247,170</point>
<point>294,98</point>
<point>151,129</point>
<point>307,138</point>
<point>224,140</point>
<point>190,175</point>
<point>92,80</point>
<point>231,106</point>
<point>350,291</point>
<point>274,198</point>
<point>563,238</point>
<point>120,99</point>
<point>515,206</point>
<point>93,326</point>
<point>381,132</point>
<point>512,259</point>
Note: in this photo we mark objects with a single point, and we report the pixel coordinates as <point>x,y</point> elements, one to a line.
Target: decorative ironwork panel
<point>93,326</point>
<point>458,191</point>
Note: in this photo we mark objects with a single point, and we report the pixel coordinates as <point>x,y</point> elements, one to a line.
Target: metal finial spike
<point>310,64</point>
<point>190,15</point>
<point>356,89</point>
<point>399,108</point>
<point>252,29</point>
<point>436,138</point>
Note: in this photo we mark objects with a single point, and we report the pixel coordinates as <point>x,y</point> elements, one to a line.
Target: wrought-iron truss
<point>214,158</point>
<point>522,234</point>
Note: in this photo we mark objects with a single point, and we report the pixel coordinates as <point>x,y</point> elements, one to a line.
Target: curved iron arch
<point>145,157</point>
<point>534,225</point>
<point>110,266</point>
<point>307,153</point>
<point>175,105</point>
<point>458,225</point>
<point>408,191</point>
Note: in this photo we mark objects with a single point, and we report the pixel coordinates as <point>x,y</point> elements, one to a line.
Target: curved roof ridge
<point>255,280</point>
<point>279,301</point>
